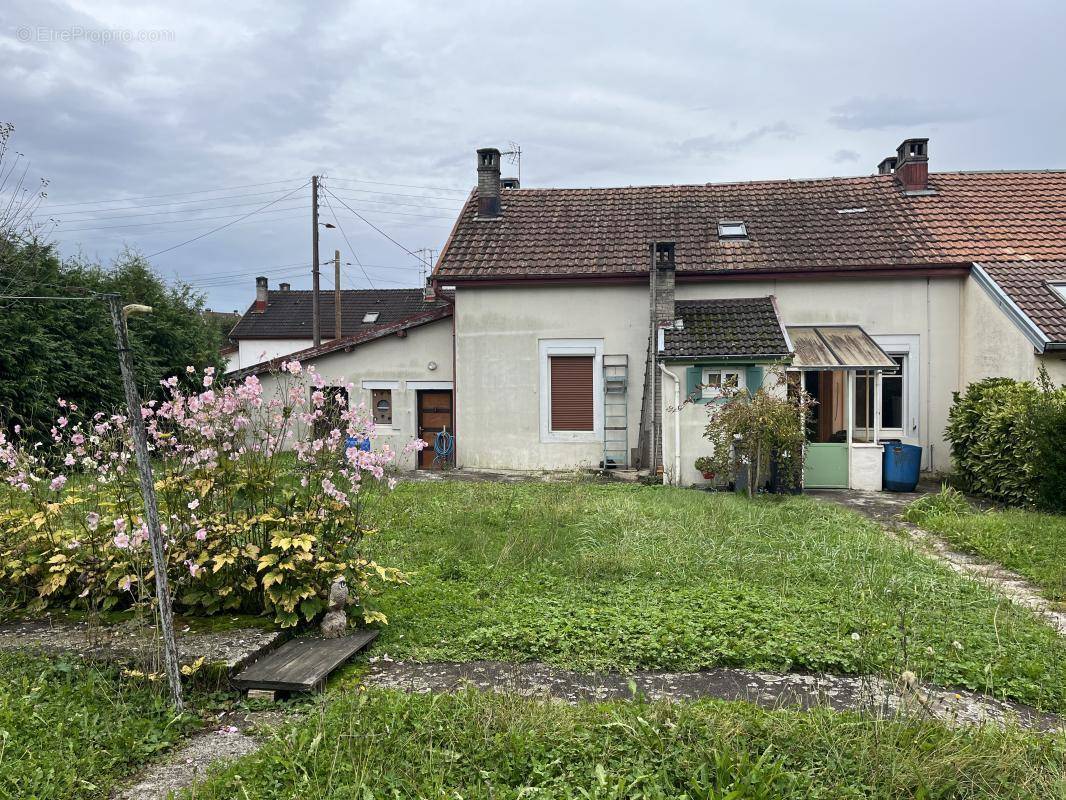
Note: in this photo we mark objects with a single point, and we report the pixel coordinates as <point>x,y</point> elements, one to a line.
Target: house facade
<point>577,329</point>
<point>953,277</point>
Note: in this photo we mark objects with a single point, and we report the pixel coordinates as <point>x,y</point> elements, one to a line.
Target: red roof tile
<point>1027,284</point>
<point>792,226</point>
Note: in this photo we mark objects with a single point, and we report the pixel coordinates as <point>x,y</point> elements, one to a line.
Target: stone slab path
<point>769,690</point>
<point>131,643</point>
<point>886,509</point>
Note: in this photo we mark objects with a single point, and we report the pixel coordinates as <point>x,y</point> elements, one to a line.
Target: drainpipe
<point>677,425</point>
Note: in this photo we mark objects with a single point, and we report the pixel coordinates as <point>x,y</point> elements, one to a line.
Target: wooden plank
<point>301,664</point>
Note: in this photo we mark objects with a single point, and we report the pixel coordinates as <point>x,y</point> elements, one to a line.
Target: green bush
<point>992,437</point>
<point>1050,430</point>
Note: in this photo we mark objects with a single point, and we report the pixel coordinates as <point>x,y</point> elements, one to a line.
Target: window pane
<point>892,401</point>
<point>864,400</point>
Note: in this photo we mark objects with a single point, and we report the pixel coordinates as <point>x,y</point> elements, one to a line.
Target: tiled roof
<point>371,334</point>
<point>842,223</point>
<point>747,326</point>
<point>288,313</point>
<point>1026,283</point>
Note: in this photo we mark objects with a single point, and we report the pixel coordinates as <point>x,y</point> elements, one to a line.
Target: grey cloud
<point>714,144</point>
<point>844,155</point>
<point>883,112</point>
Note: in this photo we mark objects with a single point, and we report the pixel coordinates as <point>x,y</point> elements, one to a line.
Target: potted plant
<point>706,466</point>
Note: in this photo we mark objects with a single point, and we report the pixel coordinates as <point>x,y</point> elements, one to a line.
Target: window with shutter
<point>572,395</point>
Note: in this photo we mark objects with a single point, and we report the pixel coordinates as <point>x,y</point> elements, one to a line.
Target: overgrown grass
<point>596,576</point>
<point>473,745</point>
<point>70,730</point>
<point>1030,543</point>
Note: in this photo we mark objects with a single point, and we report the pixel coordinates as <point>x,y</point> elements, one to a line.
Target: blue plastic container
<point>900,466</point>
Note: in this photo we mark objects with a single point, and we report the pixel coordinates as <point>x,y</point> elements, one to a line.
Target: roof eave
<point>1014,313</point>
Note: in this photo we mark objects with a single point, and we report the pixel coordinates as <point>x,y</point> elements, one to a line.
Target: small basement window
<point>716,382</point>
<point>732,229</point>
<point>371,316</point>
<point>381,400</point>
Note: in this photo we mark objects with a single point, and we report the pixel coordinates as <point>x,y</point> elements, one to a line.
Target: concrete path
<point>886,509</point>
<point>769,690</point>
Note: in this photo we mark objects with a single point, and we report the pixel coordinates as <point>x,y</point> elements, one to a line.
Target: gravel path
<point>769,690</point>
<point>886,509</point>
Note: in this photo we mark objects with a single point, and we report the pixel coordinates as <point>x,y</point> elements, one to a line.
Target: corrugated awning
<point>836,347</point>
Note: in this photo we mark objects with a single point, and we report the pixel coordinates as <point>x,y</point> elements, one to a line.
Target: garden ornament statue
<point>335,623</point>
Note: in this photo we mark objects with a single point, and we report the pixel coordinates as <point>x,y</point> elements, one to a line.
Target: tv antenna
<point>515,157</point>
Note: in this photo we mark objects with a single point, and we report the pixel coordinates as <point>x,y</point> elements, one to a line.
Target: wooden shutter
<point>572,399</point>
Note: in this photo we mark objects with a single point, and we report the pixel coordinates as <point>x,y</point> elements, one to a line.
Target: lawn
<point>601,576</point>
<point>70,730</point>
<point>1030,543</point>
<point>474,745</point>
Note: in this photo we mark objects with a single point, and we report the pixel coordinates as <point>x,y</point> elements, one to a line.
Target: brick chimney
<point>488,182</point>
<point>429,291</point>
<point>887,166</point>
<point>912,165</point>
<point>260,294</point>
<point>283,287</point>
<point>510,183</point>
<point>661,278</point>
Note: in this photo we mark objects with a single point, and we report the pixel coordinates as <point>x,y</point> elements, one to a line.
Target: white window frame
<point>712,392</point>
<point>570,347</point>
<point>906,345</point>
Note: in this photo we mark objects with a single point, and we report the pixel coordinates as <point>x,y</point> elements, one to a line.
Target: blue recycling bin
<point>900,466</point>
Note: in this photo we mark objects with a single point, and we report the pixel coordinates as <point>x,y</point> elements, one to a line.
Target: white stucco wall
<point>255,351</point>
<point>959,337</point>
<point>865,466</point>
<point>993,346</point>
<point>498,335</point>
<point>402,360</point>
<point>928,309</point>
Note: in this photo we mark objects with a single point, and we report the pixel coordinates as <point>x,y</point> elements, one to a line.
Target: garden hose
<point>443,445</point>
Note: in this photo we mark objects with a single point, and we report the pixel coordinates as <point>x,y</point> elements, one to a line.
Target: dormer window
<point>371,316</point>
<point>732,229</point>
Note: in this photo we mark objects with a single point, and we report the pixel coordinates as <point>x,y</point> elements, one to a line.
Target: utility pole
<point>151,508</point>
<point>316,333</point>
<point>337,292</point>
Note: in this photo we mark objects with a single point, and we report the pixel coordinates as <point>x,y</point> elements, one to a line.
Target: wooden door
<point>434,416</point>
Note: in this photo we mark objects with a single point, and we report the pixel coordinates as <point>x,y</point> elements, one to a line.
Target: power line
<point>228,224</point>
<point>408,205</point>
<point>379,193</point>
<point>161,213</point>
<point>346,241</point>
<point>160,222</point>
<point>371,224</point>
<point>169,203</point>
<point>179,194</point>
<point>401,185</point>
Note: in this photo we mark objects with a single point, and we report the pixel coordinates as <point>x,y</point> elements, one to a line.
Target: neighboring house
<point>888,292</point>
<point>395,354</point>
<point>224,321</point>
<point>279,322</point>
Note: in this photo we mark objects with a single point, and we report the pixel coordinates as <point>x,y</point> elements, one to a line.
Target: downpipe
<point>677,426</point>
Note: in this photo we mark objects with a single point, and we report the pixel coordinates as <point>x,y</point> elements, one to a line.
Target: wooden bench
<point>303,664</point>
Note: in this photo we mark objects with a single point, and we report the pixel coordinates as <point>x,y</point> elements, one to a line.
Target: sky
<point>155,123</point>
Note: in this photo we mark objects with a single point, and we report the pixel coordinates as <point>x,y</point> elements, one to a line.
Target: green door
<point>826,466</point>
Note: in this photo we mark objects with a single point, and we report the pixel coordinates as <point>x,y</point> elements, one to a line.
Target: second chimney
<point>283,287</point>
<point>260,294</point>
<point>429,291</point>
<point>912,165</point>
<point>488,182</point>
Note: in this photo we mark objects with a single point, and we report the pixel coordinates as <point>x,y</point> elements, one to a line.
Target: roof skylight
<point>371,316</point>
<point>851,210</point>
<point>1059,287</point>
<point>732,229</point>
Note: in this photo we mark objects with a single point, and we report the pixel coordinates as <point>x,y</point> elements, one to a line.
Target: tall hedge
<point>1008,441</point>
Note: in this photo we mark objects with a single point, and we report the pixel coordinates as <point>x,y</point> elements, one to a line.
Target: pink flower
<point>120,525</point>
<point>122,541</point>
<point>201,534</point>
<point>92,520</point>
<point>58,482</point>
<point>194,504</point>
<point>62,422</point>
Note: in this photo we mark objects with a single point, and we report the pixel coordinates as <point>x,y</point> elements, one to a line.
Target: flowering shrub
<point>263,501</point>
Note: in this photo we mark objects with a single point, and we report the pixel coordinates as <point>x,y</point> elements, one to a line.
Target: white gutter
<point>677,425</point>
<point>1022,320</point>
